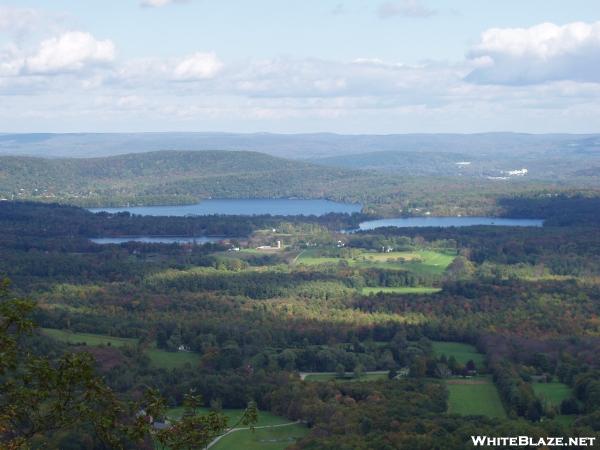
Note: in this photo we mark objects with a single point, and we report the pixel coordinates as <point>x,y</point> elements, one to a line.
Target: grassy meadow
<point>425,262</point>
<point>474,396</point>
<point>274,436</point>
<point>421,263</point>
<point>87,338</point>
<point>158,358</point>
<point>553,393</point>
<point>277,438</point>
<point>171,360</point>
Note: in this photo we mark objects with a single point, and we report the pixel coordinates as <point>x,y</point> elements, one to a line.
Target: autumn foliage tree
<point>40,397</point>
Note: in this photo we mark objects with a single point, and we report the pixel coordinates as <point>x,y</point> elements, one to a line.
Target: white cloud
<point>315,78</point>
<point>18,19</point>
<point>59,77</point>
<point>27,24</point>
<point>10,61</point>
<point>405,8</point>
<point>199,66</point>
<point>160,3</point>
<point>545,52</point>
<point>71,51</point>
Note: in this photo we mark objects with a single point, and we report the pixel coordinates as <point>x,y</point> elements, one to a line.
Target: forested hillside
<point>159,177</point>
<point>179,177</point>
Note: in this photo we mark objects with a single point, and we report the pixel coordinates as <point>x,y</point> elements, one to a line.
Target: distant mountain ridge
<point>295,146</point>
<point>416,163</point>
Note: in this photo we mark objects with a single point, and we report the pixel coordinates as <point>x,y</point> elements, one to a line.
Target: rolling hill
<point>186,177</point>
<point>297,146</point>
<point>416,163</point>
<point>547,157</point>
<point>164,177</point>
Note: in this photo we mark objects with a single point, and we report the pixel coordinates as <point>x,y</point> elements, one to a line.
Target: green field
<point>566,421</point>
<point>158,358</point>
<point>171,360</point>
<point>426,262</point>
<point>87,338</point>
<point>265,418</point>
<point>461,352</point>
<point>278,438</point>
<point>316,260</point>
<point>421,262</point>
<point>328,376</point>
<point>255,251</point>
<point>399,290</point>
<point>475,396</point>
<point>553,393</point>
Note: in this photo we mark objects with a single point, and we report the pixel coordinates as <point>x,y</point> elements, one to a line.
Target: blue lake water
<point>157,239</point>
<point>245,207</point>
<point>406,222</point>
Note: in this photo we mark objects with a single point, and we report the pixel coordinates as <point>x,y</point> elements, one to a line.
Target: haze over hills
<point>295,146</point>
<point>421,163</point>
<point>547,157</point>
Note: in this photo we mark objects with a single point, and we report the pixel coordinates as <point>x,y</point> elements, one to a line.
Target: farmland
<point>158,358</point>
<point>553,392</point>
<point>87,338</point>
<point>272,438</point>
<point>171,360</point>
<point>288,330</point>
<point>271,431</point>
<point>422,262</point>
<point>476,396</point>
<point>422,268</point>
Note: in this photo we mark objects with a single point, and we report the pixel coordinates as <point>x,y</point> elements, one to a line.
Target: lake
<point>406,222</point>
<point>157,239</point>
<point>243,207</point>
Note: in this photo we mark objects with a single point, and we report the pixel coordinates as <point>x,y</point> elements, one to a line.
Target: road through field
<point>295,260</point>
<point>233,430</point>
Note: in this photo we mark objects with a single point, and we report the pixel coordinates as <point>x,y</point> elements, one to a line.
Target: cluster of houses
<point>517,173</point>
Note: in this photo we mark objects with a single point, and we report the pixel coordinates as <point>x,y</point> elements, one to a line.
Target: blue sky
<point>352,66</point>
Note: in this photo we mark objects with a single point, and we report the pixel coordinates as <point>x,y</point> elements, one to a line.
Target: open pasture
<point>425,262</point>
<point>272,438</point>
<point>171,360</point>
<point>158,357</point>
<point>553,393</point>
<point>87,338</point>
<point>474,396</point>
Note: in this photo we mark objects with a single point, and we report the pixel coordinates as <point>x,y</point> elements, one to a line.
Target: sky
<point>297,66</point>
